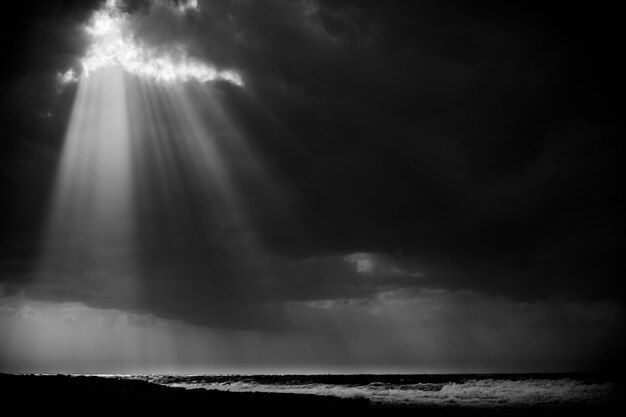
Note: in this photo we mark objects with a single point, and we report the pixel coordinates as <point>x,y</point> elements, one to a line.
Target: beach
<point>75,394</point>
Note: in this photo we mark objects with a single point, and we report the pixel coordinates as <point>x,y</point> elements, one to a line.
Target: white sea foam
<point>487,392</point>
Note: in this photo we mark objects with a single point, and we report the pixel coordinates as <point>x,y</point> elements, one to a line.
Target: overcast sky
<point>423,186</point>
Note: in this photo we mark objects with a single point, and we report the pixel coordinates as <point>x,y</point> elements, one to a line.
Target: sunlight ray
<point>90,233</point>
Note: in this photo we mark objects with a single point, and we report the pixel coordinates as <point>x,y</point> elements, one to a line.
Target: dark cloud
<point>485,139</point>
<point>41,39</point>
<point>478,146</point>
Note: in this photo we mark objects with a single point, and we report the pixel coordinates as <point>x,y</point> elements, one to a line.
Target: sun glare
<point>113,43</point>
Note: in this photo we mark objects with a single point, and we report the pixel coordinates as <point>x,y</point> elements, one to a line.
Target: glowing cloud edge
<point>111,44</point>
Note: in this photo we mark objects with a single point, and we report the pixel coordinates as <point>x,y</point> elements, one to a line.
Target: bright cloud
<point>113,43</point>
<point>363,262</point>
<point>186,5</point>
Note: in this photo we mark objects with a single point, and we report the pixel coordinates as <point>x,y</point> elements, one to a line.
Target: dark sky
<point>441,146</point>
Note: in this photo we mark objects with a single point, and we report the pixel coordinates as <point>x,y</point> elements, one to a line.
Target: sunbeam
<point>145,185</point>
<point>90,237</point>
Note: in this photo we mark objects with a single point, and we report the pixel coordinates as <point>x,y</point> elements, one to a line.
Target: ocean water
<point>479,391</point>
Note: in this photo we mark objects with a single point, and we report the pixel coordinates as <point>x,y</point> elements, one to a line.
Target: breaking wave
<point>413,390</point>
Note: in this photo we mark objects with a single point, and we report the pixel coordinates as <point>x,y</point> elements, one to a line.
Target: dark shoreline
<point>51,391</point>
<point>86,394</point>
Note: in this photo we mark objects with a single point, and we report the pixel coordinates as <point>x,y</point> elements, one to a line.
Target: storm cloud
<point>435,146</point>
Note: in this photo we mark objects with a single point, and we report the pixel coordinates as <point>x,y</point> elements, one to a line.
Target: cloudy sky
<point>391,187</point>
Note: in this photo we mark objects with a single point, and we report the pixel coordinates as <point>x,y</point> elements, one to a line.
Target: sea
<point>466,390</point>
